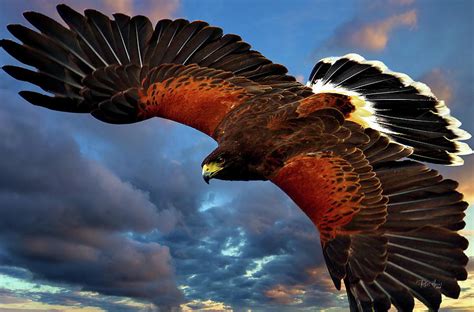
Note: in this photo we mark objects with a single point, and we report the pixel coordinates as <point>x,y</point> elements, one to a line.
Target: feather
<point>62,36</point>
<point>33,58</point>
<point>79,25</point>
<point>202,37</point>
<point>155,38</point>
<point>181,39</point>
<point>212,47</point>
<point>48,48</point>
<point>46,82</point>
<point>101,25</point>
<point>140,32</point>
<point>59,103</point>
<point>221,53</point>
<point>165,40</point>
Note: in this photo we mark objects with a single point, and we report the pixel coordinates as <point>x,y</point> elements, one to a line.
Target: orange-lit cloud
<point>284,294</point>
<point>440,83</point>
<point>153,9</point>
<point>401,2</point>
<point>375,36</point>
<point>464,175</point>
<point>300,78</point>
<point>205,305</point>
<point>466,183</point>
<point>162,9</point>
<point>294,294</point>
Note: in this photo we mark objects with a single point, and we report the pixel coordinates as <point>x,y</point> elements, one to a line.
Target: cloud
<point>285,295</point>
<point>156,10</point>
<point>304,291</point>
<point>440,83</point>
<point>300,78</point>
<point>250,239</point>
<point>65,217</point>
<point>465,178</point>
<point>25,293</point>
<point>205,305</point>
<point>153,9</point>
<point>401,2</point>
<point>374,36</point>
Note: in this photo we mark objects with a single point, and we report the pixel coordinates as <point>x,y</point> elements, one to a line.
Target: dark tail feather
<point>404,110</point>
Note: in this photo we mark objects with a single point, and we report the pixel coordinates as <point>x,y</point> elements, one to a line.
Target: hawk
<point>348,148</point>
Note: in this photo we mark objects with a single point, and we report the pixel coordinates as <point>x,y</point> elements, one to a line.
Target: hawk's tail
<point>405,110</point>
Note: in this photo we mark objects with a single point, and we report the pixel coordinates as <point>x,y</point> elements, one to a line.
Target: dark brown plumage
<point>339,148</point>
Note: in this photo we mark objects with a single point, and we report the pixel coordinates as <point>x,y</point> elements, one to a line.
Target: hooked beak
<point>209,171</point>
<point>206,177</point>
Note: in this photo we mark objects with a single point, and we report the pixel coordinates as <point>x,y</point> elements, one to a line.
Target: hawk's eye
<point>220,159</point>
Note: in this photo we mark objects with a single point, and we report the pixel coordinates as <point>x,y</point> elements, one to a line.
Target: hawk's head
<point>229,163</point>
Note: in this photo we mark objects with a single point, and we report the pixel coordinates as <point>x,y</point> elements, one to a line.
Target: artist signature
<point>425,283</point>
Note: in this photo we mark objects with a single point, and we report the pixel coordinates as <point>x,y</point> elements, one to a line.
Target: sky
<point>99,217</point>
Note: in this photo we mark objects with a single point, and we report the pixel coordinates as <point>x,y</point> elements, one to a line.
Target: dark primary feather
<point>181,39</point>
<point>79,25</point>
<point>46,82</point>
<point>140,31</point>
<point>62,36</point>
<point>49,65</point>
<point>202,37</point>
<point>102,26</point>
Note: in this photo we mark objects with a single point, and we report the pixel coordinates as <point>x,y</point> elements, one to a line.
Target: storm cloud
<point>65,217</point>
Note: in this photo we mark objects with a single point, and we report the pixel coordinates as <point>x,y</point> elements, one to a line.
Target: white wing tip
<point>461,134</point>
<point>463,149</point>
<point>455,160</point>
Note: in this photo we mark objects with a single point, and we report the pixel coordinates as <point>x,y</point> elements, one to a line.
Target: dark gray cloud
<point>237,250</point>
<point>65,217</point>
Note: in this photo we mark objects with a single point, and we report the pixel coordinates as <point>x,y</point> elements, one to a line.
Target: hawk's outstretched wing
<point>120,69</point>
<point>387,226</point>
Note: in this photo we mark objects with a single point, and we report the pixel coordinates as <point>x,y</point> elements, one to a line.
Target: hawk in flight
<point>348,148</point>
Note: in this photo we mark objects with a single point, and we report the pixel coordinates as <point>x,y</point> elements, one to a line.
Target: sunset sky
<point>98,217</point>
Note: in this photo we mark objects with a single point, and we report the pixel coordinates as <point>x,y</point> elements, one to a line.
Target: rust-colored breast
<point>324,187</point>
<point>199,102</point>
